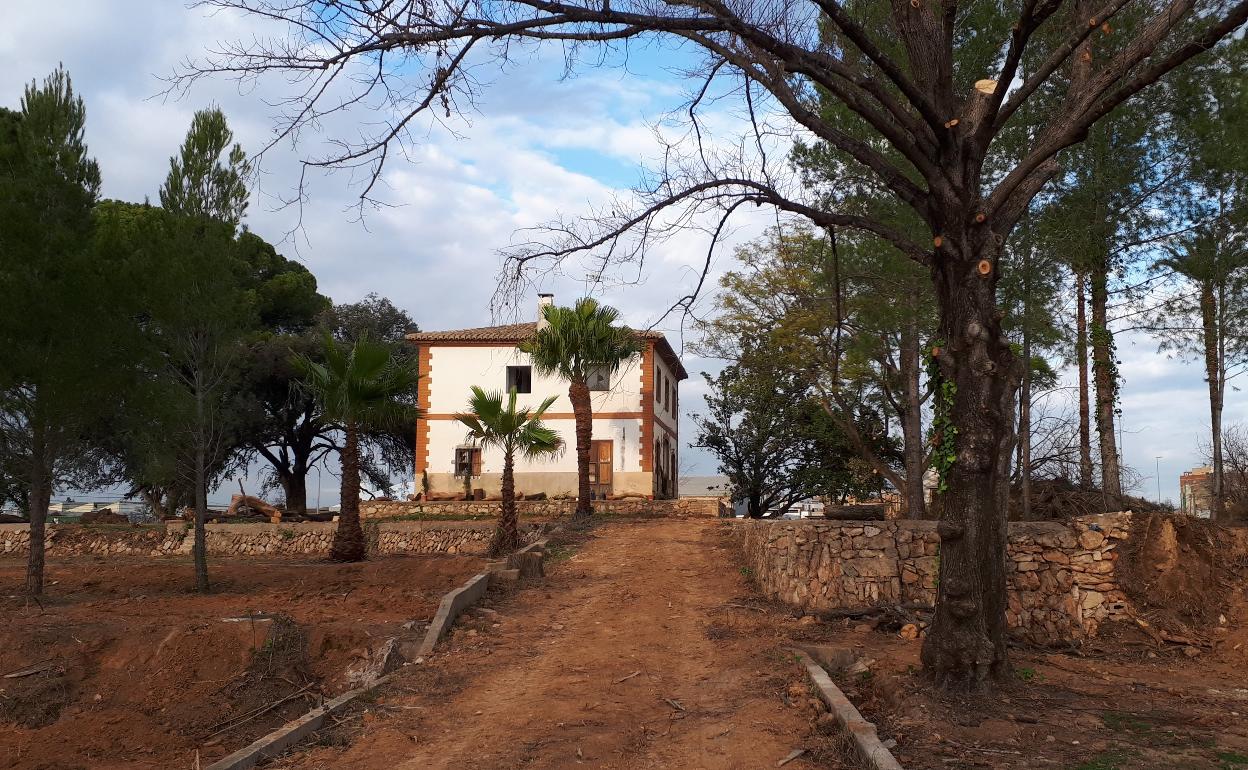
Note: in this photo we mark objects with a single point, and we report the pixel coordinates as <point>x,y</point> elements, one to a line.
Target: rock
<point>860,666</point>
<point>909,631</point>
<point>1191,651</point>
<point>808,620</point>
<point>1092,599</point>
<point>1091,539</point>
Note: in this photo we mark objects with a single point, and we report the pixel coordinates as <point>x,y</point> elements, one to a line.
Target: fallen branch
<point>626,678</point>
<point>234,722</point>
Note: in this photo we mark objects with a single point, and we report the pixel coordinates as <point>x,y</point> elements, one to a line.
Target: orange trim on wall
<point>647,409</point>
<point>560,416</point>
<point>424,361</point>
<point>670,430</point>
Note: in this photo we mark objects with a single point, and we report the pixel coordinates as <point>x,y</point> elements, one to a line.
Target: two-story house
<point>635,436</point>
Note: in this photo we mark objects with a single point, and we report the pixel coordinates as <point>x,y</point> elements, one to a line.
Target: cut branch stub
<point>938,241</point>
<point>986,86</point>
<point>951,123</point>
<point>985,267</point>
<point>981,217</point>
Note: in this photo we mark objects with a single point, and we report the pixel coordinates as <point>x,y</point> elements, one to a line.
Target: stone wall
<point>1061,576</point>
<point>541,509</point>
<point>284,540</point>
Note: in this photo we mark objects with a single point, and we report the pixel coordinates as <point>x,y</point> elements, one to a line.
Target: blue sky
<point>536,146</point>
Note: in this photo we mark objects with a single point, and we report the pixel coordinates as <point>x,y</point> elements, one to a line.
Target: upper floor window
<point>658,384</point>
<point>520,379</point>
<point>599,378</point>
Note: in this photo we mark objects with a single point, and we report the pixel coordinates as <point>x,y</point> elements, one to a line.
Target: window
<point>599,378</point>
<point>468,461</point>
<point>667,395</point>
<point>658,384</point>
<point>520,379</point>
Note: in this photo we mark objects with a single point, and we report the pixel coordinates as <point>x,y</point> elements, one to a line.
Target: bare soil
<point>642,648</point>
<point>134,670</point>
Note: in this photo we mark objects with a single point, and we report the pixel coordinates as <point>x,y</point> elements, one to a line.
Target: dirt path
<point>625,658</point>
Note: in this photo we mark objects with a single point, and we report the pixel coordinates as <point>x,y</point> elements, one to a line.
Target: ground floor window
<point>468,461</point>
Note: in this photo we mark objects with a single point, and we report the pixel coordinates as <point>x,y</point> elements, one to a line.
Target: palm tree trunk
<point>1213,375</point>
<point>507,536</point>
<point>349,537</point>
<point>578,394</point>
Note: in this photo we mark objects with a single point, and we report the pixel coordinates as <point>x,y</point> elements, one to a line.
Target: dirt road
<point>628,656</point>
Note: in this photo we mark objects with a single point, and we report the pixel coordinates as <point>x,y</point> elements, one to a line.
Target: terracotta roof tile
<point>515,333</point>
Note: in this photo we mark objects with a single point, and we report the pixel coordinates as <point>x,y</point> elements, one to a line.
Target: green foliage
<point>361,384</point>
<point>579,339</point>
<point>493,420</point>
<point>776,444</point>
<point>202,183</point>
<point>58,320</point>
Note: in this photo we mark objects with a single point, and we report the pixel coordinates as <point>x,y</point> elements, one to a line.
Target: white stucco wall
<point>445,435</point>
<point>454,370</point>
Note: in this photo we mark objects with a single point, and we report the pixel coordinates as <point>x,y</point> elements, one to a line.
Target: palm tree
<point>574,343</point>
<point>360,386</point>
<point>493,421</point>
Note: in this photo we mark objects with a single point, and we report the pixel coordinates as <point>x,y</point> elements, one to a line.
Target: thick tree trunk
<point>295,488</point>
<point>967,644</point>
<point>1213,375</point>
<point>40,497</point>
<point>1105,377</point>
<point>754,506</point>
<point>507,535</point>
<point>913,445</point>
<point>349,536</point>
<point>578,394</point>
<point>1081,359</point>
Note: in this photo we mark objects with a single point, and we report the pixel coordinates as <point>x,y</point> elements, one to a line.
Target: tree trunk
<point>913,445</point>
<point>295,488</point>
<point>1081,358</point>
<point>40,497</point>
<point>349,536</point>
<point>1210,334</point>
<point>199,549</point>
<point>967,645</point>
<point>578,394</point>
<point>507,536</point>
<point>1105,377</point>
<point>754,506</point>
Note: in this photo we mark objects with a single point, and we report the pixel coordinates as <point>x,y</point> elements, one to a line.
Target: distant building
<point>1196,491</point>
<point>705,486</point>
<point>635,426</point>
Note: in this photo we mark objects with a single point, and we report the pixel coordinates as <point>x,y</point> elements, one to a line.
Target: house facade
<point>635,428</point>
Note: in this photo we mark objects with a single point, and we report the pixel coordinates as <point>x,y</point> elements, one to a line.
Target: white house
<point>635,438</point>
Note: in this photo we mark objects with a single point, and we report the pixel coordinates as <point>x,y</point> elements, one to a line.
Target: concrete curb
<point>290,733</point>
<point>860,732</point>
<point>471,592</point>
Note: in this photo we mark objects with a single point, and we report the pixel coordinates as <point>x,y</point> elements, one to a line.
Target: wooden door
<point>601,459</point>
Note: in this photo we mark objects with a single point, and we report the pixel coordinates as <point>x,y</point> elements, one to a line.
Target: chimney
<point>543,301</point>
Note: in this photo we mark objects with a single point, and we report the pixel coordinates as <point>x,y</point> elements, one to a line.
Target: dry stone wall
<point>294,540</point>
<point>1061,576</point>
<point>638,506</point>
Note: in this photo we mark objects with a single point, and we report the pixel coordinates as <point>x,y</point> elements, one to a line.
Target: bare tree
<point>929,119</point>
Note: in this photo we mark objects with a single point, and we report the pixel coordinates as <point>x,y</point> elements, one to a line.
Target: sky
<point>535,146</point>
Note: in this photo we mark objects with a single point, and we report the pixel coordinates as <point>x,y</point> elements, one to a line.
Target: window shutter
<point>476,462</point>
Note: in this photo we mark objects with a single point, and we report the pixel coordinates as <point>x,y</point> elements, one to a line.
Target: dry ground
<point>629,655</point>
<point>139,672</point>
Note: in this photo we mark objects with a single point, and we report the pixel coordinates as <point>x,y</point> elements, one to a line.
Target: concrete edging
<point>859,731</point>
<point>464,597</point>
<point>290,733</point>
<point>453,603</point>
